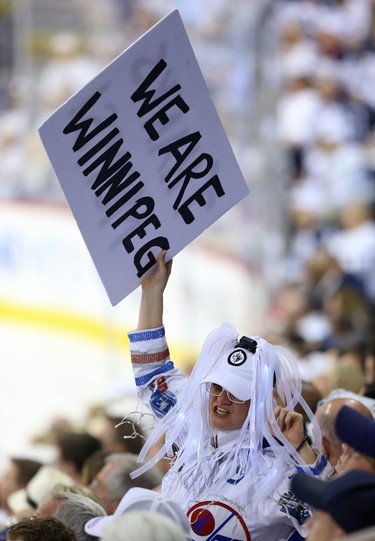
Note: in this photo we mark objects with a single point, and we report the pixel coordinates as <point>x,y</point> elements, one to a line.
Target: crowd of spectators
<point>323,303</point>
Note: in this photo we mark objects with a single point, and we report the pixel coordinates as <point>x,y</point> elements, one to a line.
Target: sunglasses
<point>215,390</point>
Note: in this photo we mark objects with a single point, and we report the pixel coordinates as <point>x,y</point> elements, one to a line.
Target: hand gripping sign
<point>142,157</point>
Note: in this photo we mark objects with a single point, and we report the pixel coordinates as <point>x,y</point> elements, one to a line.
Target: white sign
<point>142,157</point>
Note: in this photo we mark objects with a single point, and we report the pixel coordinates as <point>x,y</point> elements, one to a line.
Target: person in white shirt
<point>233,443</point>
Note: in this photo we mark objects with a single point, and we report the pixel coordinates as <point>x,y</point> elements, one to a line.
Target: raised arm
<point>153,286</point>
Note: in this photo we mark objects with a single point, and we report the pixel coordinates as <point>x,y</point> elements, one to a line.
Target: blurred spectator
<point>24,502</point>
<point>309,227</point>
<point>344,372</point>
<point>311,394</point>
<point>57,426</point>
<point>49,503</point>
<point>299,52</point>
<point>40,529</point>
<point>113,480</point>
<point>92,465</point>
<point>324,277</point>
<point>326,415</point>
<point>344,393</point>
<point>16,476</point>
<point>73,449</point>
<point>297,111</point>
<point>342,505</point>
<point>336,163</point>
<point>369,369</point>
<point>354,245</point>
<point>74,510</point>
<point>120,436</point>
<point>347,373</point>
<point>357,432</point>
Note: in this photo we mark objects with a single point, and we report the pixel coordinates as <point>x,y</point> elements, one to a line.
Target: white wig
<point>187,424</point>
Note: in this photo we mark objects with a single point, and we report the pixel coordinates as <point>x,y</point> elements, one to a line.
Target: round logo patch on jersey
<point>237,357</point>
<point>202,521</point>
<point>216,521</point>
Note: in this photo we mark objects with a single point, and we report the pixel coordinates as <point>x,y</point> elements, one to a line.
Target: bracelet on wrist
<point>305,438</point>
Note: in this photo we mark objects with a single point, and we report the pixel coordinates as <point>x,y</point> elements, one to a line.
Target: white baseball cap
<point>140,499</point>
<point>234,369</point>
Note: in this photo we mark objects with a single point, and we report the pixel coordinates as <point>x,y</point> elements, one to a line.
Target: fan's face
<point>225,414</point>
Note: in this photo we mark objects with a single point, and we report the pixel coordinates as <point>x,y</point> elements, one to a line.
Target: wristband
<point>305,438</point>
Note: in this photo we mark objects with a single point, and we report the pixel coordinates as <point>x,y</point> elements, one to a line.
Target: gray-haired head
<point>75,510</point>
<point>119,480</point>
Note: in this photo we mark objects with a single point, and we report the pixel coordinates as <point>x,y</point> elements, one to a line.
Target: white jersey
<point>227,512</point>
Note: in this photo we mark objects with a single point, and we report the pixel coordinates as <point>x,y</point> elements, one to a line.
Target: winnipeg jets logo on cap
<point>237,357</point>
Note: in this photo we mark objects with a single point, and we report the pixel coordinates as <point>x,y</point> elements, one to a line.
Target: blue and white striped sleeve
<point>157,379</point>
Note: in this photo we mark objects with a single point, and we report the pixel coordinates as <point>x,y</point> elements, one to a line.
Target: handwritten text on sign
<point>126,137</point>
